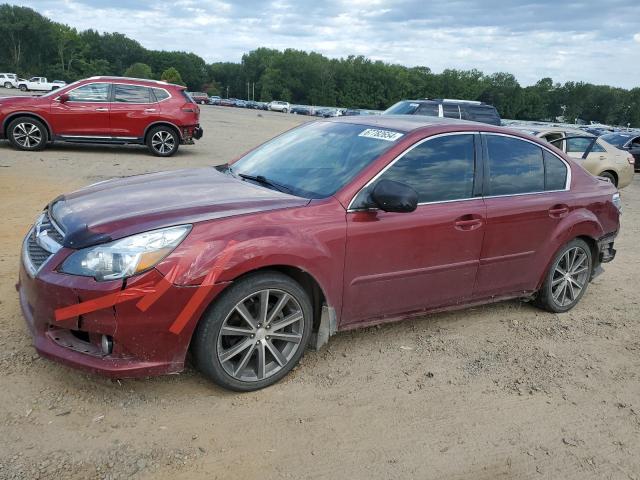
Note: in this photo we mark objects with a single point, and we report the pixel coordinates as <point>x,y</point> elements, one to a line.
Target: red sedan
<point>112,110</point>
<point>334,225</point>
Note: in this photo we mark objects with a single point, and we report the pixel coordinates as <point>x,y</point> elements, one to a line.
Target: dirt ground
<point>502,391</point>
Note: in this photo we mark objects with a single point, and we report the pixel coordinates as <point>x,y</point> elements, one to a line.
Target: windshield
<point>402,108</point>
<point>617,139</point>
<point>316,159</point>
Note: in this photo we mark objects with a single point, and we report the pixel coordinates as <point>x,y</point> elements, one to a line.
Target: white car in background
<point>594,154</point>
<point>8,80</point>
<point>278,106</point>
<point>40,84</point>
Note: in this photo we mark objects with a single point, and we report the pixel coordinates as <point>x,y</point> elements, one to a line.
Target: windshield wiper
<point>263,180</point>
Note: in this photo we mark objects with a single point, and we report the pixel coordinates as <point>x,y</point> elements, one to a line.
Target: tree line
<point>31,44</point>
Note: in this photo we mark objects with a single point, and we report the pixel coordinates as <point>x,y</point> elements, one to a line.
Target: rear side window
<point>132,94</point>
<point>450,111</point>
<point>580,145</point>
<point>555,172</point>
<point>480,113</point>
<point>439,169</point>
<point>515,166</point>
<point>160,94</point>
<point>91,92</point>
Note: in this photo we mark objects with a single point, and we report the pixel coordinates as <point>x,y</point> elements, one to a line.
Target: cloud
<point>531,38</point>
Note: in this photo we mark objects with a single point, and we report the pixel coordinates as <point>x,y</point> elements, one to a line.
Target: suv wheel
<point>23,88</point>
<point>255,333</point>
<point>567,279</point>
<point>284,110</point>
<point>26,133</point>
<point>163,141</point>
<point>7,85</point>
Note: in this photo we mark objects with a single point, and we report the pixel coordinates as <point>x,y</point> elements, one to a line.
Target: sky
<point>577,40</point>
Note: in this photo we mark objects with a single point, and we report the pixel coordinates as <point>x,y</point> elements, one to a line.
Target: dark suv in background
<point>460,109</point>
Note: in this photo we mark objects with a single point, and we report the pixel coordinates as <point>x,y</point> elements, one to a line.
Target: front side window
<point>439,169</point>
<point>316,159</point>
<point>91,92</point>
<point>515,166</point>
<point>131,94</point>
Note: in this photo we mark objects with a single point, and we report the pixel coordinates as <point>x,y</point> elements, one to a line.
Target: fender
<point>12,115</point>
<point>579,223</point>
<point>161,122</point>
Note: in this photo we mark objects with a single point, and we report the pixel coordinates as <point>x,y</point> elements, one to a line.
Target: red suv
<point>334,225</point>
<point>104,110</point>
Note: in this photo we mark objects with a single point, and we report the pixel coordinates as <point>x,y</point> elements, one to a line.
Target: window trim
<point>478,163</point>
<point>485,161</point>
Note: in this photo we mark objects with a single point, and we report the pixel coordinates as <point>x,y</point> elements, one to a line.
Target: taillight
<point>631,159</point>
<point>189,108</point>
<point>617,202</point>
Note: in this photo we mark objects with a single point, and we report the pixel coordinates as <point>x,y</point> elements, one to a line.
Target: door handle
<point>102,109</point>
<point>558,211</point>
<point>602,157</point>
<point>467,223</point>
<point>149,110</point>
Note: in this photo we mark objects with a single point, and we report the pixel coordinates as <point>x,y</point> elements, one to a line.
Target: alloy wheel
<point>27,135</point>
<point>260,335</point>
<point>570,276</point>
<point>163,142</point>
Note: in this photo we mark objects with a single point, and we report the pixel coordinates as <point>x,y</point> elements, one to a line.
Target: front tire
<point>567,278</point>
<point>26,133</point>
<point>163,141</point>
<point>255,333</point>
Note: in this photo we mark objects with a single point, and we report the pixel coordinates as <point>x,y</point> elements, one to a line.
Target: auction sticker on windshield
<point>387,135</point>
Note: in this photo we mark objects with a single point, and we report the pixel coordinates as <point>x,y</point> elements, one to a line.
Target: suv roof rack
<point>455,100</point>
<point>115,77</point>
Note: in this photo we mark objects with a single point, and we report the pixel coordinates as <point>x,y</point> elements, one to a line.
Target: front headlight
<point>127,256</point>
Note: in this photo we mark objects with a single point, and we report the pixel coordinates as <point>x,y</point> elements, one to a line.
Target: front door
<point>399,263</point>
<point>84,114</point>
<point>526,197</point>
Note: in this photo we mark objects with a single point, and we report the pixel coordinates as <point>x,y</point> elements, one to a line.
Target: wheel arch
<point>14,115</point>
<point>611,172</point>
<point>158,124</point>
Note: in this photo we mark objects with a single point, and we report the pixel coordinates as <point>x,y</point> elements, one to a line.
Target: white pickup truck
<point>39,84</point>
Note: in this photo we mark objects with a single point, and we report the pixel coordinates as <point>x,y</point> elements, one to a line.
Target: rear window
<point>480,113</point>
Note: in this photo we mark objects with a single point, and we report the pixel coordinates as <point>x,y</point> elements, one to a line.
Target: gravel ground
<point>502,391</point>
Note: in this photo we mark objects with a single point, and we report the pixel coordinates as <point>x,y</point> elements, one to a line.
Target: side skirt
<point>96,139</point>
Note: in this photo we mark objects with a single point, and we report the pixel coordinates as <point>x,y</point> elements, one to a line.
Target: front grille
<point>35,252</point>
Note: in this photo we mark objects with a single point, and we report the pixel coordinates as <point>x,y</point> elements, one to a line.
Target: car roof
<point>409,123</point>
<point>140,81</point>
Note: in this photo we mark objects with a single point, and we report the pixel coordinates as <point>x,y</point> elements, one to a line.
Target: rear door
<point>526,194</point>
<point>85,114</point>
<point>134,108</point>
<point>399,263</point>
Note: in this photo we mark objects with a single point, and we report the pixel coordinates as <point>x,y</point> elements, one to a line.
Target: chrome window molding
<point>117,83</point>
<point>567,166</point>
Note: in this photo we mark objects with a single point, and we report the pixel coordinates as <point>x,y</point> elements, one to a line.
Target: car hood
<point>113,209</point>
<point>19,100</point>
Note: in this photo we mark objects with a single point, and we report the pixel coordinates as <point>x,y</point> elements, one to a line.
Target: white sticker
<point>387,135</point>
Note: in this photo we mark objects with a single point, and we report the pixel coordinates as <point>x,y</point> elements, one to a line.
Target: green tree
<point>171,75</point>
<point>139,70</point>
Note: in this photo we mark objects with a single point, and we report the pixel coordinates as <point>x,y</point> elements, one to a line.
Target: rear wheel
<point>26,133</point>
<point>163,141</point>
<point>23,88</point>
<point>7,85</point>
<point>255,333</point>
<point>567,278</point>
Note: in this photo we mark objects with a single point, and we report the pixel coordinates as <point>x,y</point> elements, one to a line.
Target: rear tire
<point>23,88</point>
<point>163,141</point>
<point>270,340</point>
<point>27,133</point>
<point>567,278</point>
<point>7,85</point>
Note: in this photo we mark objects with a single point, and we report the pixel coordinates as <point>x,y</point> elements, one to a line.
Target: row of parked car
<point>37,84</point>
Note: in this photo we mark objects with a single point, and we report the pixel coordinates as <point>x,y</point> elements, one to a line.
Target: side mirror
<point>63,98</point>
<point>391,196</point>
